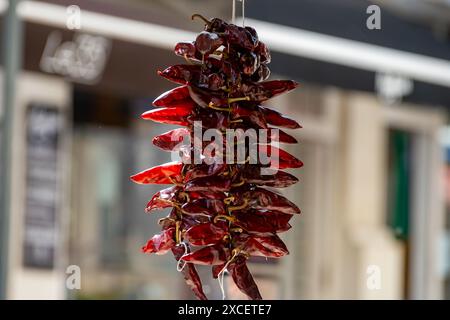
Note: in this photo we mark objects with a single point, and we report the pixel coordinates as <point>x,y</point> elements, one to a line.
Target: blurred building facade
<point>372,190</point>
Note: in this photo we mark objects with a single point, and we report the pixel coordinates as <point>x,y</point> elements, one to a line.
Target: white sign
<point>392,88</point>
<point>82,60</point>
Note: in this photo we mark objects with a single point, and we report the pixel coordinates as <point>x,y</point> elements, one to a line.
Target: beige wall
<point>24,283</point>
<point>342,241</point>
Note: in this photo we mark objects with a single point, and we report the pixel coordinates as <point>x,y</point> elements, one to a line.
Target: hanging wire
<point>181,263</point>
<point>233,12</point>
<point>243,12</point>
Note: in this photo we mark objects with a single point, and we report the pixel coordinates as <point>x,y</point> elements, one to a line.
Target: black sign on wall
<point>42,202</point>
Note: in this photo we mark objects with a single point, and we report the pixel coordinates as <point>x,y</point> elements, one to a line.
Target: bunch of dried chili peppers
<point>221,214</point>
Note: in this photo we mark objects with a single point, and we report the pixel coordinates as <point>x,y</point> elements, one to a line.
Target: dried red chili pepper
<point>170,140</point>
<point>161,243</point>
<point>182,73</point>
<point>257,221</point>
<point>163,199</point>
<point>206,207</point>
<point>261,245</point>
<point>209,255</point>
<point>204,170</point>
<point>163,174</point>
<point>214,184</point>
<point>190,274</point>
<point>206,234</point>
<point>218,205</point>
<point>263,199</point>
<point>275,118</point>
<point>252,174</point>
<point>278,157</point>
<point>188,51</point>
<point>208,42</point>
<point>176,116</point>
<point>178,97</point>
<point>243,278</point>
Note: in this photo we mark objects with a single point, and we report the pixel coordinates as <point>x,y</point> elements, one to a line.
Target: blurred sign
<point>392,88</point>
<point>82,60</point>
<point>44,125</point>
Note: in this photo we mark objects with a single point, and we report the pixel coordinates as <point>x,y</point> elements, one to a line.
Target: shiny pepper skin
<point>221,213</point>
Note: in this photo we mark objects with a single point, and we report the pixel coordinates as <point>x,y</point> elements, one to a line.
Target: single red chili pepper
<point>206,233</point>
<point>266,90</point>
<point>188,51</point>
<point>169,141</point>
<point>180,222</point>
<point>280,136</point>
<point>217,269</point>
<point>208,42</point>
<point>249,63</point>
<point>243,278</point>
<point>280,179</point>
<point>186,116</point>
<point>206,207</point>
<point>255,116</point>
<point>204,170</point>
<point>184,222</point>
<point>179,96</point>
<point>207,99</point>
<point>258,221</point>
<point>214,184</point>
<point>190,274</point>
<point>215,81</point>
<point>176,116</point>
<point>262,74</point>
<point>182,73</point>
<point>207,195</point>
<point>210,119</point>
<point>241,37</point>
<point>161,243</point>
<point>163,199</point>
<point>263,199</point>
<point>243,131</point>
<point>269,246</point>
<point>167,173</point>
<point>275,118</point>
<point>278,157</point>
<point>210,255</point>
<point>263,52</point>
<point>272,245</point>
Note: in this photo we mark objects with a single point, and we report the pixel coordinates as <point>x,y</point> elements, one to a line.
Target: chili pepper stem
<point>177,232</point>
<point>228,200</point>
<point>212,106</point>
<point>231,100</point>
<point>185,195</point>
<point>187,59</point>
<point>161,221</point>
<point>224,217</point>
<point>240,183</point>
<point>197,15</point>
<point>242,206</point>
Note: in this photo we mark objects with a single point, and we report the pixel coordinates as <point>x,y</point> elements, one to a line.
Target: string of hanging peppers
<point>223,212</point>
